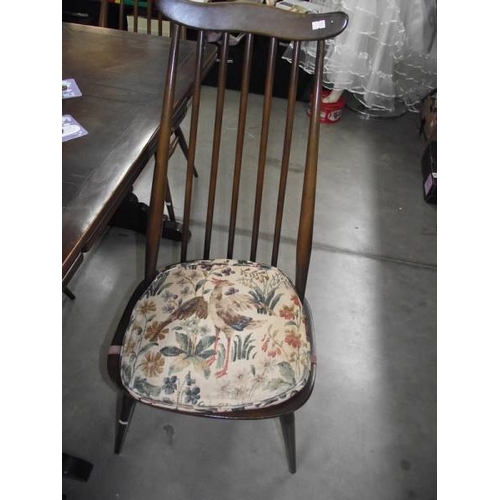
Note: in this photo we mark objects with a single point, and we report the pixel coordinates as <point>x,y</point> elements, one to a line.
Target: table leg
<point>132,214</point>
<point>69,293</point>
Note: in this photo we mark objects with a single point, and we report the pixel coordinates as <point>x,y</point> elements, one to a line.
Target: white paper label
<point>318,25</point>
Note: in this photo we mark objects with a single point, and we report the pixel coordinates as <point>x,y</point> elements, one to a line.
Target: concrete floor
<point>369,430</point>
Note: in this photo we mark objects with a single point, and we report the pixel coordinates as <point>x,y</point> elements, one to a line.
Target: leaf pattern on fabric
<point>216,335</point>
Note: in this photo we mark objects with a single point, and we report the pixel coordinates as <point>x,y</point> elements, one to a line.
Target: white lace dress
<point>387,52</point>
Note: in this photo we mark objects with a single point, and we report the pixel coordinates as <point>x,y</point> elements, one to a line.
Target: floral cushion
<point>216,335</point>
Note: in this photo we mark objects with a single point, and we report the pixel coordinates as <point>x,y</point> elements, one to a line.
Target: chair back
<point>250,19</point>
<point>138,9</point>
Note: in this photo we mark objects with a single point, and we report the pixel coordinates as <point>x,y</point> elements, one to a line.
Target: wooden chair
<point>138,9</point>
<point>220,337</point>
<point>145,9</point>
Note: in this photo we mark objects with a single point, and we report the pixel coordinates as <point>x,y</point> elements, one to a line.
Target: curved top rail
<point>254,18</point>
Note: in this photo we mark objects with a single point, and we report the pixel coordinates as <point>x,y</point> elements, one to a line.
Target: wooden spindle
<point>305,232</point>
<point>245,85</point>
<point>216,142</point>
<point>103,14</point>
<point>193,132</point>
<point>149,13</point>
<point>266,114</point>
<point>158,191</point>
<point>136,16</point>
<point>285,162</point>
<point>121,15</point>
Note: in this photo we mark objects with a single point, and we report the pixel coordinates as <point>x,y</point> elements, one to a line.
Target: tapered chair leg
<point>288,429</point>
<point>169,203</point>
<point>127,409</point>
<point>183,144</point>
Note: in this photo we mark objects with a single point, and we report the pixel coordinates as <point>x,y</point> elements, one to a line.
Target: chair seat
<point>216,336</point>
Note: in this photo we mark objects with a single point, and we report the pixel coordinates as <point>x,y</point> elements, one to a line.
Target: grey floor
<point>369,430</point>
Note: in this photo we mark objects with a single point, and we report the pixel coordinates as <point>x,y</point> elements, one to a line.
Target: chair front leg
<point>126,411</point>
<point>288,429</point>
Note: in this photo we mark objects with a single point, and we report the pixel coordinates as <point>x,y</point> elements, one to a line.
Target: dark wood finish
<point>272,23</point>
<point>264,136</point>
<point>221,88</point>
<point>192,141</point>
<point>253,18</point>
<point>69,293</point>
<point>125,416</point>
<point>103,14</point>
<point>136,11</point>
<point>120,108</point>
<point>148,14</point>
<point>305,233</point>
<point>287,422</point>
<point>257,78</point>
<point>247,66</point>
<point>287,142</point>
<point>71,271</point>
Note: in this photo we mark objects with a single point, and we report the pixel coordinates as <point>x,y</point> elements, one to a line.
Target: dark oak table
<point>121,76</point>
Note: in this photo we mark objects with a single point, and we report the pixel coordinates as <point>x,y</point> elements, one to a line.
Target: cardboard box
<point>429,172</point>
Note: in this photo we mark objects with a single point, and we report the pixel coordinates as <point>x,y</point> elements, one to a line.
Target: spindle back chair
<point>137,9</point>
<point>220,337</point>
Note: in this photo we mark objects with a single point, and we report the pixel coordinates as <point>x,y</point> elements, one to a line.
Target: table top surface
<point>121,76</point>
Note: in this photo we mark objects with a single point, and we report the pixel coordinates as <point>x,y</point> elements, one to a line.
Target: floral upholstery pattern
<point>216,335</point>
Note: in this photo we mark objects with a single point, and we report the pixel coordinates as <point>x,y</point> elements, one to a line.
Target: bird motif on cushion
<point>226,310</point>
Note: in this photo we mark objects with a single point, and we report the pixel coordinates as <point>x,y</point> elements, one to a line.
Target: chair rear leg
<point>183,144</point>
<point>288,429</point>
<point>126,411</point>
<point>169,203</point>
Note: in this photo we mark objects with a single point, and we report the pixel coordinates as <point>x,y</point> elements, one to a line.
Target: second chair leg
<point>169,203</point>
<point>184,147</point>
<point>126,411</point>
<point>288,429</point>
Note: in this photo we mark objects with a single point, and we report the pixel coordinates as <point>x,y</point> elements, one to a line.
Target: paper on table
<point>70,89</point>
<point>71,129</point>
